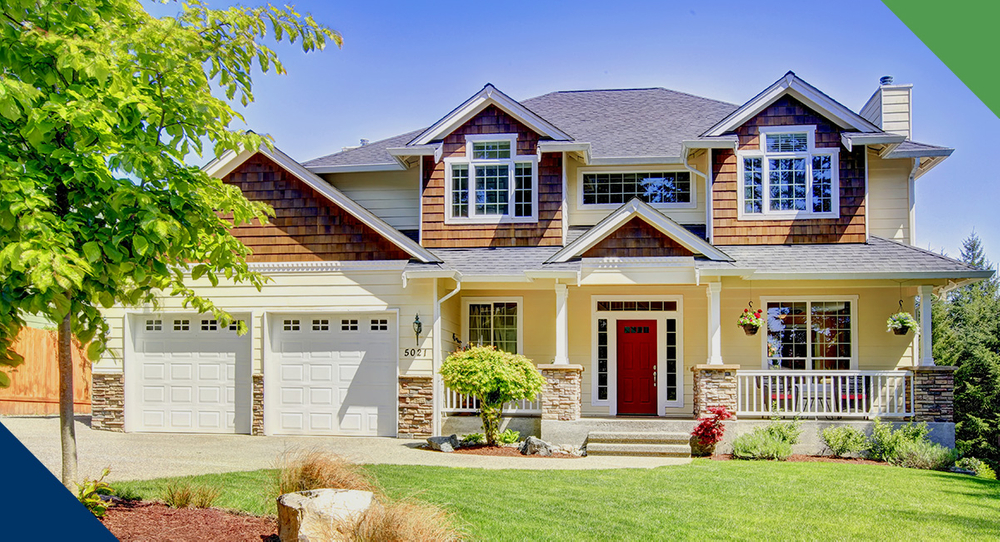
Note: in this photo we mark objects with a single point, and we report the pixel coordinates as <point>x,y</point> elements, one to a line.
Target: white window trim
<point>693,204</point>
<point>466,301</point>
<point>812,150</point>
<point>852,299</point>
<point>510,162</point>
<point>661,318</point>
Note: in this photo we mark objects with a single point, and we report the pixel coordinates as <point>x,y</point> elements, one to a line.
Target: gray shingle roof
<point>630,122</point>
<point>370,154</point>
<point>876,258</point>
<point>501,260</point>
<point>912,148</point>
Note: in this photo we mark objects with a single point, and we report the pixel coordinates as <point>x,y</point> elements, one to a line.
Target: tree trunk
<point>491,415</point>
<point>67,433</point>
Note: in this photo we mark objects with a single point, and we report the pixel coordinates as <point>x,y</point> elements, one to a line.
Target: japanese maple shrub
<point>493,377</point>
<point>709,432</point>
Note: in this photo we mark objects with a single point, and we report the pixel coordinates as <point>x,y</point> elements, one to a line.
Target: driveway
<point>136,456</point>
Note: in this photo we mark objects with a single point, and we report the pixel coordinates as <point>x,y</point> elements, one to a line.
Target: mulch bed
<point>149,522</point>
<point>506,452</point>
<point>799,458</point>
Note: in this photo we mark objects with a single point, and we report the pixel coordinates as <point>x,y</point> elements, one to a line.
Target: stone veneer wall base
<point>933,393</point>
<point>714,386</point>
<point>416,407</point>
<point>562,394</point>
<point>107,402</point>
<point>257,423</point>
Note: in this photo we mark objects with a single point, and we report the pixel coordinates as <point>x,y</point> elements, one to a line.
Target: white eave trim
<point>921,153</point>
<point>633,208</point>
<point>489,95</point>
<point>808,94</point>
<point>635,160</point>
<point>327,266</point>
<point>849,139</point>
<point>887,275</point>
<point>230,160</point>
<point>355,168</point>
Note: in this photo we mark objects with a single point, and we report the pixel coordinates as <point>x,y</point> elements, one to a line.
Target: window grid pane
<point>522,189</point>
<point>602,359</point>
<point>618,188</point>
<point>491,150</point>
<point>809,335</point>
<point>786,334</point>
<point>460,190</point>
<point>672,380</point>
<point>493,324</point>
<point>787,142</point>
<point>492,185</point>
<point>822,184</point>
<point>753,185</point>
<point>830,333</point>
<point>787,184</point>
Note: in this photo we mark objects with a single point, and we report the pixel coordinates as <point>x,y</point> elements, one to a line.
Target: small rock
<point>444,444</point>
<point>958,470</point>
<point>314,515</point>
<point>536,446</point>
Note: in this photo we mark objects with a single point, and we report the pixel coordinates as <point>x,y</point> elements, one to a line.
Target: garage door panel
<point>188,377</point>
<point>345,371</point>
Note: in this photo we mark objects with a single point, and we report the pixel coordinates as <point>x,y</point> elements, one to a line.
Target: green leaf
<point>140,244</point>
<point>106,299</point>
<point>4,380</point>
<point>92,251</point>
<point>94,350</point>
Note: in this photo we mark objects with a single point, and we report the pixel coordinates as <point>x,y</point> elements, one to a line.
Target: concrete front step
<point>631,448</point>
<point>639,437</point>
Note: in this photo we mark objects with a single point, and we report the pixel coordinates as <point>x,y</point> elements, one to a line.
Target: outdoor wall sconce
<point>417,328</point>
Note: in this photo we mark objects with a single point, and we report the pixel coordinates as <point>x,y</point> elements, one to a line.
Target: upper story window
<point>788,176</point>
<point>672,189</point>
<point>491,183</point>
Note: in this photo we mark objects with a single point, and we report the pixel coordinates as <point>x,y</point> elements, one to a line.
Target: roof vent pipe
<point>885,80</point>
<point>365,141</point>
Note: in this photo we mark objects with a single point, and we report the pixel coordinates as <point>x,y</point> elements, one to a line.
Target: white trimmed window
<point>810,334</point>
<point>493,322</point>
<point>788,176</point>
<point>657,188</point>
<point>491,183</point>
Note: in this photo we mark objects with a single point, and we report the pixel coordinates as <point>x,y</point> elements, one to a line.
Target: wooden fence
<point>34,387</point>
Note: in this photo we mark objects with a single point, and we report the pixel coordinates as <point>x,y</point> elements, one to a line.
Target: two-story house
<point>612,236</point>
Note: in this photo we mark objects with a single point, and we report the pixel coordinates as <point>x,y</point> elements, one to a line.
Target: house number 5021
<point>413,352</point>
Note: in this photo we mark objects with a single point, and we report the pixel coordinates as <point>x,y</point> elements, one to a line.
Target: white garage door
<point>334,374</point>
<point>188,376</point>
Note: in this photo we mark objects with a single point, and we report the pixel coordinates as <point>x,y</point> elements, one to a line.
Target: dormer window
<point>491,183</point>
<point>788,176</point>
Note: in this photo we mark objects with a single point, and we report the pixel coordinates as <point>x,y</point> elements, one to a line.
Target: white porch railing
<point>841,394</point>
<point>456,403</point>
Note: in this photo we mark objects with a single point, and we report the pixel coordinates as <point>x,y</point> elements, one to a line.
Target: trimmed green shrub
<point>884,444</point>
<point>761,444</point>
<point>493,377</point>
<point>845,440</point>
<point>785,431</point>
<point>978,466</point>
<point>923,454</point>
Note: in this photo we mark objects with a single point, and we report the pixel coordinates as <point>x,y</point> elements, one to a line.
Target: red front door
<point>637,367</point>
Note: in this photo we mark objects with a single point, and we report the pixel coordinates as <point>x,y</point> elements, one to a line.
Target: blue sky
<point>406,64</point>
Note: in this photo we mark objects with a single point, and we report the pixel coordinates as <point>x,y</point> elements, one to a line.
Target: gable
<point>307,226</point>
<point>788,111</point>
<point>636,239</point>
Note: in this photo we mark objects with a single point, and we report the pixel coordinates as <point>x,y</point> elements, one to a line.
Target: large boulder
<point>444,444</point>
<point>536,446</point>
<point>320,514</point>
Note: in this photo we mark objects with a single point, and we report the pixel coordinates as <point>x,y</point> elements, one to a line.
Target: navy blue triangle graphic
<point>37,506</point>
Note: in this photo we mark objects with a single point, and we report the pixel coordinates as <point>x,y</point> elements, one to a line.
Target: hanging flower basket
<point>901,323</point>
<point>751,320</point>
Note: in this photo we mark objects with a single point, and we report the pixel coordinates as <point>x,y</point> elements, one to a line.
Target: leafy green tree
<point>100,103</point>
<point>493,377</point>
<point>967,335</point>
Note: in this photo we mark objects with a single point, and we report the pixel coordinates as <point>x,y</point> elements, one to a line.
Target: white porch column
<point>562,326</point>
<point>714,293</point>
<point>926,344</point>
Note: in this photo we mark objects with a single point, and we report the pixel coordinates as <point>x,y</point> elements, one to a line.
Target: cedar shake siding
<point>546,232</point>
<point>307,226</point>
<point>636,239</point>
<point>728,230</point>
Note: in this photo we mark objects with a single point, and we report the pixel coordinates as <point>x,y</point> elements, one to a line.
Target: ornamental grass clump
<point>493,377</point>
<point>301,470</point>
<point>772,442</point>
<point>709,431</point>
<point>923,454</point>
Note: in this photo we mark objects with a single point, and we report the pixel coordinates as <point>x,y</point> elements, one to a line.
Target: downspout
<point>437,387</point>
<point>912,201</point>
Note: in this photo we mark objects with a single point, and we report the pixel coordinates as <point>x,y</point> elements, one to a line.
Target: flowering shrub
<point>709,432</point>
<point>752,319</point>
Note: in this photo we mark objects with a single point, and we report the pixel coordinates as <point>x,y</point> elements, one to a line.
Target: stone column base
<point>562,394</point>
<point>107,402</point>
<point>416,407</point>
<point>933,393</point>
<point>714,386</point>
<point>257,421</point>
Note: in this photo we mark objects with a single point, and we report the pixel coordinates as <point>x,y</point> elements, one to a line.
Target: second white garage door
<point>332,374</point>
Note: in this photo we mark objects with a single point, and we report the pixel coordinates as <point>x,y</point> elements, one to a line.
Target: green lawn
<point>705,500</point>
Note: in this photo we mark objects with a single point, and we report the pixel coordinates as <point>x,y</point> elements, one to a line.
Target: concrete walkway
<point>137,456</point>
